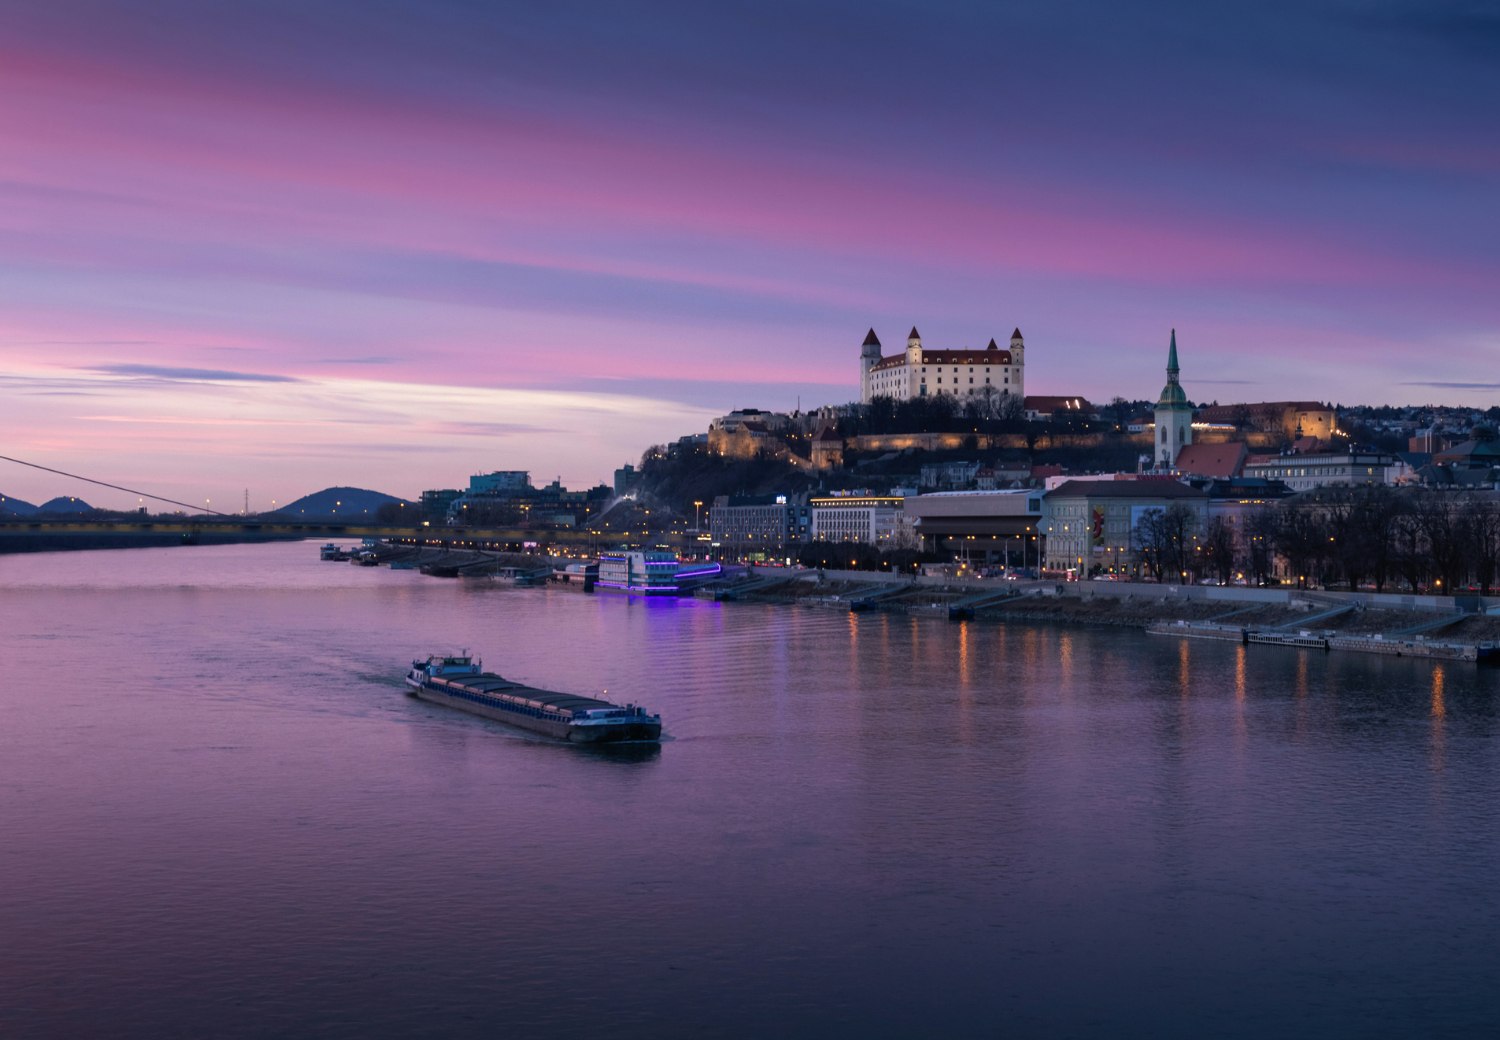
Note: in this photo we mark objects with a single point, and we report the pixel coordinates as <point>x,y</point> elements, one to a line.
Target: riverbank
<point>1453,627</point>
<point>1464,628</point>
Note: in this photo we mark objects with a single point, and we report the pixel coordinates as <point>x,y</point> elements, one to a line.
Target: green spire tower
<point>1174,414</point>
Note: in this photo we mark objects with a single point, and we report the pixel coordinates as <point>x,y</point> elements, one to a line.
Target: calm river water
<point>220,816</point>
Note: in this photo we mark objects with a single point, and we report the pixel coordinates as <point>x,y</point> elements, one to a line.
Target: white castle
<point>989,373</point>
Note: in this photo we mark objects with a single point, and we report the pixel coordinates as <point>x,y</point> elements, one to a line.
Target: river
<point>220,816</point>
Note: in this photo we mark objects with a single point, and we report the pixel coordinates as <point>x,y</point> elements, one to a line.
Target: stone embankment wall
<point>1121,590</point>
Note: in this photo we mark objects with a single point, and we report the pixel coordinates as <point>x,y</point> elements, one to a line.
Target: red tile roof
<point>1213,460</point>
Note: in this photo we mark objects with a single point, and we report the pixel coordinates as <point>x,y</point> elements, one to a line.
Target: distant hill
<point>64,504</point>
<point>15,507</point>
<point>337,503</point>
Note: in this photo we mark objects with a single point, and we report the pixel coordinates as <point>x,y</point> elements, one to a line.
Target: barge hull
<point>546,727</point>
<point>557,730</point>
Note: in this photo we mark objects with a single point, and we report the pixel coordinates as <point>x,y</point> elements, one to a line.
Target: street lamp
<point>697,524</point>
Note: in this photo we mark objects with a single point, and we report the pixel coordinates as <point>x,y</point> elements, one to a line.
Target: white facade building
<point>990,373</point>
<point>1329,469</point>
<point>873,519</point>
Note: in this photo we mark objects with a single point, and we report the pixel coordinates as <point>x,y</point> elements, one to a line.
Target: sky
<point>268,247</point>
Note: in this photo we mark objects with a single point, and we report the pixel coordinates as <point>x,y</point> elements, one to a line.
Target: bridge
<point>24,534</point>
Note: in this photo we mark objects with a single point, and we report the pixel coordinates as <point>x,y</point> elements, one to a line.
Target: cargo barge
<point>459,681</point>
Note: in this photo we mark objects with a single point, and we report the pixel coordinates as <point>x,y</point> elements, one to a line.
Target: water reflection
<point>858,816</point>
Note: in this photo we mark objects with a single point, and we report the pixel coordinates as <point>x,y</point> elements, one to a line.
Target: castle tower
<point>1174,415</point>
<point>1017,349</point>
<point>914,347</point>
<point>869,357</point>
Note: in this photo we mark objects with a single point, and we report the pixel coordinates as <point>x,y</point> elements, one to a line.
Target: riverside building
<point>758,526</point>
<point>856,516</point>
<point>984,528</point>
<point>1091,524</point>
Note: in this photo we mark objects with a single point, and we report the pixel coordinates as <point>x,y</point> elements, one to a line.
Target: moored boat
<point>459,681</point>
<point>649,573</point>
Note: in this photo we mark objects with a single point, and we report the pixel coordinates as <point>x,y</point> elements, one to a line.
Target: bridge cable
<point>116,487</point>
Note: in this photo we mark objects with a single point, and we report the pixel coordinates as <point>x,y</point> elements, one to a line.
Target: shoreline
<point>1393,624</point>
<point>1453,628</point>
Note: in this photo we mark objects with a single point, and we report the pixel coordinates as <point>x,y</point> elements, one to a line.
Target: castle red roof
<point>948,357</point>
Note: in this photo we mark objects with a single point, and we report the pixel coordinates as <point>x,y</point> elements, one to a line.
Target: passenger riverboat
<point>459,681</point>
<point>648,573</point>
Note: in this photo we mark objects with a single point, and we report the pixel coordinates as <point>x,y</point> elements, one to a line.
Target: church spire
<point>1174,415</point>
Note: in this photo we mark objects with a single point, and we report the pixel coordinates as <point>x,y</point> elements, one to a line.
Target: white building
<point>990,373</point>
<point>876,520</point>
<point>1329,469</point>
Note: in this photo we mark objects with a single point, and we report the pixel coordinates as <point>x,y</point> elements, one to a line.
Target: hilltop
<point>339,503</point>
<point>15,506</point>
<point>63,504</point>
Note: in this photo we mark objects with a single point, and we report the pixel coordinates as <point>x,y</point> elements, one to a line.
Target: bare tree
<point>1409,548</point>
<point>1482,533</point>
<point>1163,538</point>
<point>1300,540</point>
<point>1261,535</point>
<point>1440,518</point>
<point>1219,548</point>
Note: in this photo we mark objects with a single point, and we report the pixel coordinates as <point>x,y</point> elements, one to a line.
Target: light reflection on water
<point>221,815</point>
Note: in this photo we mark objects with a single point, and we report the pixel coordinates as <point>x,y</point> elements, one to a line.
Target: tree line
<point>1409,539</point>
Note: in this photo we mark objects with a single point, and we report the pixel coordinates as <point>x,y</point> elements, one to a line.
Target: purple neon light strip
<point>638,588</point>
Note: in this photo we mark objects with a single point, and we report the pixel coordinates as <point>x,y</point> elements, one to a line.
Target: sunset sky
<point>278,246</point>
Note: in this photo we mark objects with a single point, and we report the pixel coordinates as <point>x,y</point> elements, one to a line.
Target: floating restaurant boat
<point>333,552</point>
<point>459,681</point>
<point>647,573</point>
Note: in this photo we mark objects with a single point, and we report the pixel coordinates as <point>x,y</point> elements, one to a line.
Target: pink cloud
<point>261,164</point>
